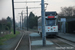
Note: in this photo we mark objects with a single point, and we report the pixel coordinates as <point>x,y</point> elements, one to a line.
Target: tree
<point>9,23</point>
<point>25,21</point>
<point>32,20</point>
<point>74,11</point>
<point>67,11</point>
<point>8,26</point>
<point>3,24</point>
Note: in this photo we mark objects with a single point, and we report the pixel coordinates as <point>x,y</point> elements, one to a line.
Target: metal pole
<point>13,16</point>
<point>20,22</point>
<point>27,17</point>
<point>22,19</point>
<point>64,27</point>
<point>43,22</point>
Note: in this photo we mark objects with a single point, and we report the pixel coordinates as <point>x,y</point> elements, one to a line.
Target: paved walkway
<point>70,37</point>
<point>36,43</point>
<point>37,40</point>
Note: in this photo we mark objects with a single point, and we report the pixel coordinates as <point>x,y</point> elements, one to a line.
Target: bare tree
<point>67,11</point>
<point>73,11</point>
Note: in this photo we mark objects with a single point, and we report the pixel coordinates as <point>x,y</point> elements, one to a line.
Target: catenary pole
<point>20,22</point>
<point>27,17</point>
<point>22,19</point>
<point>43,22</point>
<point>13,16</point>
<point>27,13</point>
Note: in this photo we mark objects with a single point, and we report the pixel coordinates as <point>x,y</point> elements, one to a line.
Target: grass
<point>7,37</point>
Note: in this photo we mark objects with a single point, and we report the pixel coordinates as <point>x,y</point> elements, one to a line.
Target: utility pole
<point>13,16</point>
<point>27,17</point>
<point>26,13</point>
<point>27,10</point>
<point>22,19</point>
<point>43,23</point>
<point>20,22</point>
<point>19,8</point>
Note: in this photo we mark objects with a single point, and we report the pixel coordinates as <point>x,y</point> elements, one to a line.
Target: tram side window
<point>39,23</point>
<point>50,22</point>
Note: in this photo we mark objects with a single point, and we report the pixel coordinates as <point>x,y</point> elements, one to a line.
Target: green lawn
<point>7,37</point>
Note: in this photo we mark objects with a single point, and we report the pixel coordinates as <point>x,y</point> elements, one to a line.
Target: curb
<point>29,43</point>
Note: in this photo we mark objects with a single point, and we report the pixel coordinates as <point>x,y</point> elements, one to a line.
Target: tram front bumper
<point>51,33</point>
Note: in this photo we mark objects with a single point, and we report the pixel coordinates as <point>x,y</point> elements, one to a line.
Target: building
<point>67,24</point>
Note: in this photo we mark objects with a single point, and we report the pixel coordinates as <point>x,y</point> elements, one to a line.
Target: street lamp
<point>46,6</point>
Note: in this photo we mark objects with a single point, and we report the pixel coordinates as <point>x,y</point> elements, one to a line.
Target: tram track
<point>68,42</point>
<point>19,42</point>
<point>61,44</point>
<point>23,43</point>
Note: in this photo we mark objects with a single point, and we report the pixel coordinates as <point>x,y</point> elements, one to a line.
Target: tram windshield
<point>50,22</point>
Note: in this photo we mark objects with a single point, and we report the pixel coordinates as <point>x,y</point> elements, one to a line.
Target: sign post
<point>22,19</point>
<point>27,17</point>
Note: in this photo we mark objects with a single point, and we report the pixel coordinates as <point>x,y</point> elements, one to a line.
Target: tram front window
<point>50,22</point>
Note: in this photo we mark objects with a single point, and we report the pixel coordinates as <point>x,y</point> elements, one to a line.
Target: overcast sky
<point>54,5</point>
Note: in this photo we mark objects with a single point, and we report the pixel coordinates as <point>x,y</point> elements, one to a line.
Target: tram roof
<point>54,13</point>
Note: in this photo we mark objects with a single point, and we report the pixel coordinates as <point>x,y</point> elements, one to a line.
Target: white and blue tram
<point>51,24</point>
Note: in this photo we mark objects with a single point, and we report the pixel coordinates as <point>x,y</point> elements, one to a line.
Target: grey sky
<point>54,5</point>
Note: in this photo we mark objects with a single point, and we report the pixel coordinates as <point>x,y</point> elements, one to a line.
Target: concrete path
<point>38,41</point>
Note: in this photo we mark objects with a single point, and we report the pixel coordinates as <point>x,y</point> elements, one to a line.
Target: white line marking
<point>19,42</point>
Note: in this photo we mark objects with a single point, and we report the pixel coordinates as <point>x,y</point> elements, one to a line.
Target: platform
<point>40,42</point>
<point>36,39</point>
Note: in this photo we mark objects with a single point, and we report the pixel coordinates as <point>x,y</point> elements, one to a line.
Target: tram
<point>51,24</point>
